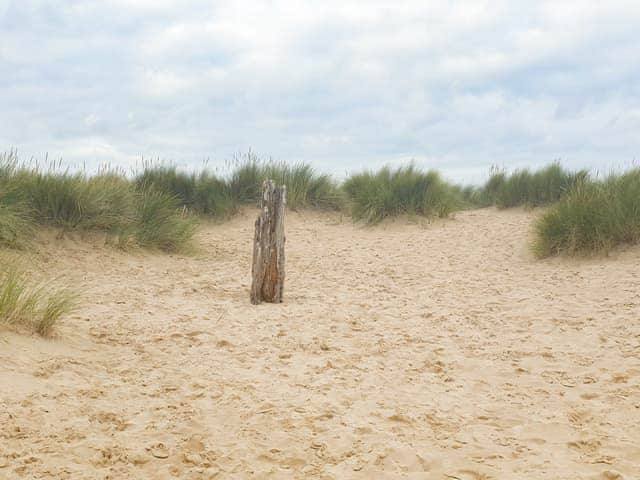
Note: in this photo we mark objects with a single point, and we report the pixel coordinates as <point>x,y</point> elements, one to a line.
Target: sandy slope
<point>438,352</point>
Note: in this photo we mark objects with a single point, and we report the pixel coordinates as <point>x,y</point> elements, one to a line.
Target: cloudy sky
<point>344,85</point>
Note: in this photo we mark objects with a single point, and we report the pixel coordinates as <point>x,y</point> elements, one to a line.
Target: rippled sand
<point>440,351</point>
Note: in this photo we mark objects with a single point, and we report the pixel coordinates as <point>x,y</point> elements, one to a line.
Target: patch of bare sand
<point>401,351</point>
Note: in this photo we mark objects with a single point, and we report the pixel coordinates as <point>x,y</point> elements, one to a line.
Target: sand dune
<point>402,351</point>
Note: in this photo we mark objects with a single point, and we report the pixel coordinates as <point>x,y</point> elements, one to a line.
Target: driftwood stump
<point>267,270</point>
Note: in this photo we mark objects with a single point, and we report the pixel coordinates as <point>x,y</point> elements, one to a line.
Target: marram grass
<point>206,193</point>
<point>306,188</point>
<point>592,217</point>
<point>160,224</point>
<point>388,192</point>
<point>529,189</point>
<point>108,202</point>
<point>30,306</point>
<point>159,208</point>
<point>16,226</point>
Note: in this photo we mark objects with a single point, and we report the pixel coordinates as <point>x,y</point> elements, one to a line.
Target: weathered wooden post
<point>267,270</point>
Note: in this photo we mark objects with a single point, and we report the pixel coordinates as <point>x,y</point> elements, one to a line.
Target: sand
<point>442,351</point>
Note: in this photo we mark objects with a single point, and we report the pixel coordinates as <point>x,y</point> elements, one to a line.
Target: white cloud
<point>91,119</point>
<point>163,83</point>
<point>341,84</point>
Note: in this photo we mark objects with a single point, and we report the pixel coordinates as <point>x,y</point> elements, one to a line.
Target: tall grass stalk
<point>529,189</point>
<point>375,196</point>
<point>16,226</point>
<point>108,202</point>
<point>161,224</point>
<point>592,217</point>
<point>305,186</point>
<point>31,306</point>
<point>205,193</point>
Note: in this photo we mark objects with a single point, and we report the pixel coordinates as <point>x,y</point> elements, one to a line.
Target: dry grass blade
<point>31,306</point>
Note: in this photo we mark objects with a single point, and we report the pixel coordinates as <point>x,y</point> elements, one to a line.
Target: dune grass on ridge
<point>305,186</point>
<point>16,226</point>
<point>73,201</point>
<point>160,206</point>
<point>206,193</point>
<point>530,189</point>
<point>389,192</point>
<point>594,216</point>
<point>159,224</point>
<point>203,193</point>
<point>32,306</point>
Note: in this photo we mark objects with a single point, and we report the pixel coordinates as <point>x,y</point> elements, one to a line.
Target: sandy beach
<point>406,350</point>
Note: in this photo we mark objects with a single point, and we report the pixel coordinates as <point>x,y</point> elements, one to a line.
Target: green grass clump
<point>161,223</point>
<point>207,194</point>
<point>168,179</point>
<point>488,195</point>
<point>375,196</point>
<point>75,201</point>
<point>212,196</point>
<point>245,181</point>
<point>71,201</point>
<point>524,188</point>
<point>305,186</point>
<point>107,202</point>
<point>203,193</point>
<point>470,196</point>
<point>592,217</point>
<point>35,307</point>
<point>16,222</point>
<point>16,226</point>
<point>57,199</point>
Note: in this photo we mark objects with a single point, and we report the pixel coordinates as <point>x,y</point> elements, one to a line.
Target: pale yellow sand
<point>402,351</point>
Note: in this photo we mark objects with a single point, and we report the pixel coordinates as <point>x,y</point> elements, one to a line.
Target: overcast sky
<point>344,85</point>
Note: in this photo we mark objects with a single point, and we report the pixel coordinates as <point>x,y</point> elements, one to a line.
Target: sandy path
<point>401,351</point>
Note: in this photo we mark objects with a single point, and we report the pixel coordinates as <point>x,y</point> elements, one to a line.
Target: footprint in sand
<point>589,395</point>
<point>110,456</point>
<point>585,447</point>
<point>159,450</point>
<point>608,475</point>
<point>469,475</point>
<point>579,418</point>
<point>399,418</point>
<point>110,419</point>
<point>194,452</point>
<point>589,451</point>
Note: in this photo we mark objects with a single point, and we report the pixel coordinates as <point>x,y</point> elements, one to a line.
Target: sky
<point>344,85</point>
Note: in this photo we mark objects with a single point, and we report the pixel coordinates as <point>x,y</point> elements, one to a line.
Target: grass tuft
<point>245,181</point>
<point>203,193</point>
<point>375,196</point>
<point>162,223</point>
<point>210,195</point>
<point>592,217</point>
<point>32,306</point>
<point>16,227</point>
<point>305,186</point>
<point>107,202</point>
<point>55,306</point>
<point>524,188</point>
